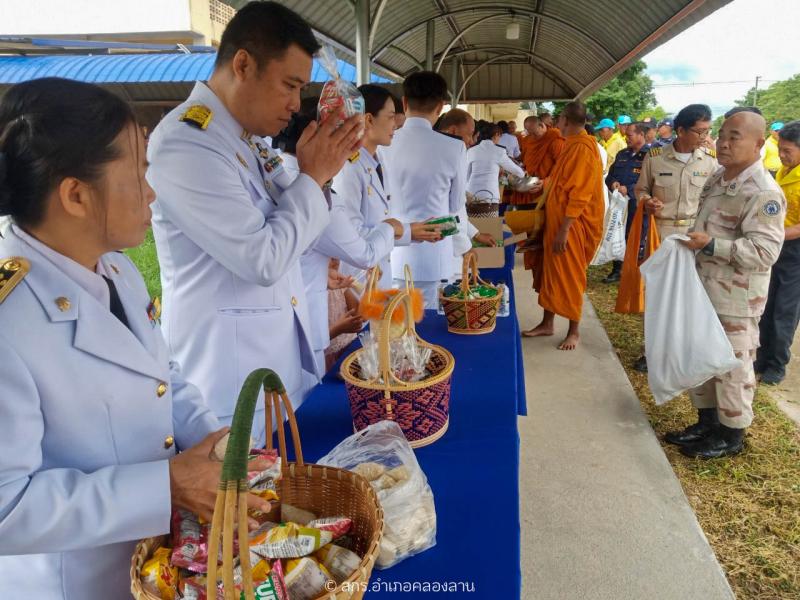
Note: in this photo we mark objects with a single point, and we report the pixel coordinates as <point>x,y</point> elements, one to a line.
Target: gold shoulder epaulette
<point>709,151</point>
<point>198,116</point>
<point>655,151</point>
<point>12,271</point>
<point>355,156</point>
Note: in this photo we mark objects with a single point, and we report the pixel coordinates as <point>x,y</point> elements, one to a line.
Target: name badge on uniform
<point>665,174</point>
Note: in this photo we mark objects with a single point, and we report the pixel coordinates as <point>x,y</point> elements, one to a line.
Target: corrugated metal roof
<point>569,47</point>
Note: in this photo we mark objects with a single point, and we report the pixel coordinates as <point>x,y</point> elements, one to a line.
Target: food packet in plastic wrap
<point>290,540</point>
<point>382,455</point>
<point>368,359</point>
<point>189,542</point>
<point>306,578</point>
<point>409,359</point>
<point>339,561</point>
<point>159,577</point>
<point>339,99</point>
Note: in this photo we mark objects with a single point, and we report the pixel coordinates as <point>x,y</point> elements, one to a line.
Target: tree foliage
<point>629,93</point>
<point>779,102</point>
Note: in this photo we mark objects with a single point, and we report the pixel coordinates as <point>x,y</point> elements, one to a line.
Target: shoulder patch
<point>198,116</point>
<point>655,151</point>
<point>771,208</point>
<point>709,151</point>
<point>12,271</point>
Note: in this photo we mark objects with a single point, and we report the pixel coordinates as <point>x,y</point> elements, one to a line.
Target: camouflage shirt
<point>744,217</point>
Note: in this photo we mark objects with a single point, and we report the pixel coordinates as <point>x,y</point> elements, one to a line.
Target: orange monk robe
<point>539,157</point>
<point>575,190</point>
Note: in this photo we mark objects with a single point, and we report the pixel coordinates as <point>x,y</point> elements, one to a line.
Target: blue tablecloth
<point>473,469</point>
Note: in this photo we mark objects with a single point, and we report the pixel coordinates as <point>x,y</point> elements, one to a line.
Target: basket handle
<point>232,493</point>
<point>384,359</point>
<point>372,281</point>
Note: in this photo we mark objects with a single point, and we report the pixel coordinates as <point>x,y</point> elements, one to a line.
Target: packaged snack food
<point>306,579</point>
<point>338,526</point>
<point>290,540</point>
<point>340,562</point>
<point>189,542</point>
<point>296,515</point>
<point>158,576</point>
<point>339,99</point>
<point>448,225</point>
<point>369,470</point>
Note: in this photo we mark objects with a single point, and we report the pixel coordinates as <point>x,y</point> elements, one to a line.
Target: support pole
<point>361,9</point>
<point>430,44</point>
<point>455,92</point>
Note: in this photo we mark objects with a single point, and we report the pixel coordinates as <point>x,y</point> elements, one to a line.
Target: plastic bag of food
<point>339,99</point>
<point>306,578</point>
<point>339,561</point>
<point>290,540</point>
<point>158,576</point>
<point>382,455</point>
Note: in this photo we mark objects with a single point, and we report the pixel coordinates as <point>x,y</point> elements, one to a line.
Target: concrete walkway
<point>602,513</point>
<point>787,393</point>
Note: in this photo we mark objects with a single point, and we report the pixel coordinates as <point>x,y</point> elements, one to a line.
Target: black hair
<point>589,129</point>
<point>791,132</point>
<point>503,125</point>
<point>398,104</point>
<point>689,115</point>
<point>286,140</point>
<point>738,109</point>
<point>375,98</point>
<point>51,129</point>
<point>487,131</point>
<point>424,90</point>
<point>265,30</point>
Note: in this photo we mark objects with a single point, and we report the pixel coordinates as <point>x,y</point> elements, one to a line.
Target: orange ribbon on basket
<point>631,285</point>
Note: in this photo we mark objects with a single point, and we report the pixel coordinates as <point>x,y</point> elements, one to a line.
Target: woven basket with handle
<point>483,204</point>
<point>325,491</point>
<point>471,316</point>
<point>421,408</point>
<point>374,301</point>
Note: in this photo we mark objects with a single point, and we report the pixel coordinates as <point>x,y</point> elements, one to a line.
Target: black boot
<point>724,441</point>
<point>616,273</point>
<point>640,364</point>
<point>707,422</point>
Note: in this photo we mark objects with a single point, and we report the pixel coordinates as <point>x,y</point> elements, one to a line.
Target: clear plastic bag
<point>408,359</point>
<point>612,246</point>
<point>383,456</point>
<point>339,99</point>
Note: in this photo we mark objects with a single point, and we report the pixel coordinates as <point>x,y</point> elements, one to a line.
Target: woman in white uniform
<point>485,160</point>
<point>93,413</point>
<point>363,184</point>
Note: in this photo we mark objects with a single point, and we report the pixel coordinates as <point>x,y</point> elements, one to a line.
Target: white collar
<point>743,176</point>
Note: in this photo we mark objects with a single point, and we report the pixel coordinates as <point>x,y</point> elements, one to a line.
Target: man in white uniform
<point>229,224</point>
<point>429,175</point>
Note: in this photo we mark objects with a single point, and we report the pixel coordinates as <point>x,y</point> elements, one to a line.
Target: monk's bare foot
<point>540,330</point>
<point>570,342</point>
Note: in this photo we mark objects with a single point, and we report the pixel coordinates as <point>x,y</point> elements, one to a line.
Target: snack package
<point>408,359</point>
<point>382,455</point>
<point>339,99</point>
<point>340,562</point>
<point>338,526</point>
<point>306,579</point>
<point>264,483</point>
<point>189,542</point>
<point>158,577</point>
<point>290,540</point>
<point>448,225</point>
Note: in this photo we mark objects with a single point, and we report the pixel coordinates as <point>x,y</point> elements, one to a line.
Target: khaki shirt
<point>745,219</point>
<point>675,183</point>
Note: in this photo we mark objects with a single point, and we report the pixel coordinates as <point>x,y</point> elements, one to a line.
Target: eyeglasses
<point>701,133</point>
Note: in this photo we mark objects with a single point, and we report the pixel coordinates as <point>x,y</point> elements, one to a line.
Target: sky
<point>743,39</point>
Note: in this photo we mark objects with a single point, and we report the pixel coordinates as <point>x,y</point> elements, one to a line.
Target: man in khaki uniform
<point>739,232</point>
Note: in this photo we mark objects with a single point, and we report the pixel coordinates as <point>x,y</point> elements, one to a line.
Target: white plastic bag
<point>383,456</point>
<point>685,343</point>
<point>612,246</point>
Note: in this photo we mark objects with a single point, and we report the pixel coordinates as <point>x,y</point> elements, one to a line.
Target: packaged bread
<point>306,578</point>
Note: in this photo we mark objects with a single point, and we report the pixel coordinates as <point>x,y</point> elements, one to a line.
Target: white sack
<point>612,246</point>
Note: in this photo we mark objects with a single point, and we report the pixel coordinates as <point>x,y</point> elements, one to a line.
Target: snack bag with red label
<point>339,99</point>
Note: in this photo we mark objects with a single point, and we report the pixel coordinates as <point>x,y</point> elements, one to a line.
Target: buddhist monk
<point>574,209</point>
<point>539,150</point>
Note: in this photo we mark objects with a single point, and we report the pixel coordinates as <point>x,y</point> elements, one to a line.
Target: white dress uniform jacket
<point>230,228</point>
<point>511,144</point>
<point>90,413</point>
<point>368,203</point>
<point>484,162</point>
<point>428,171</point>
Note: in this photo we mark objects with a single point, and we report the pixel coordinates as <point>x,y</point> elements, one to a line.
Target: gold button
<point>161,389</point>
<point>169,441</point>
<point>62,303</point>
<point>12,266</point>
<point>294,301</point>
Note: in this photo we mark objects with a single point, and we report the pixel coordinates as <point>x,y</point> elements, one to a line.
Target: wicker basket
<point>482,204</point>
<point>326,491</point>
<point>373,303</point>
<point>471,316</point>
<point>422,408</point>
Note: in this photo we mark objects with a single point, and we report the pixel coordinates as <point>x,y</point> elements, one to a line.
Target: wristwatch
<point>708,249</point>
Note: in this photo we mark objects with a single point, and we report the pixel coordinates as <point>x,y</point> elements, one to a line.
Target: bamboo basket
<point>474,316</point>
<point>326,491</point>
<point>422,408</point>
<point>486,206</point>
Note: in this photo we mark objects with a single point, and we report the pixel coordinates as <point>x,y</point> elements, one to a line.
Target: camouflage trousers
<point>732,393</point>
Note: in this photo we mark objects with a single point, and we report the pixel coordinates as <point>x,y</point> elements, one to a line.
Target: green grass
<point>747,505</point>
<point>145,258</point>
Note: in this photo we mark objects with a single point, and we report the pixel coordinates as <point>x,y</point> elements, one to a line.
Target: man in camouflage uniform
<point>673,176</point>
<point>739,232</point>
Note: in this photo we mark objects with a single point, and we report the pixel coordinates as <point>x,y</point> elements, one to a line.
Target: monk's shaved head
<point>575,113</point>
<point>740,140</point>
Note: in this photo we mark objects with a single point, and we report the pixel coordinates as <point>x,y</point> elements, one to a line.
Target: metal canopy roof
<point>566,48</point>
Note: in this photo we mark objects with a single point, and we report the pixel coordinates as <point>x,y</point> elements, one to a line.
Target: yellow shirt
<point>613,145</point>
<point>789,180</point>
<point>771,159</point>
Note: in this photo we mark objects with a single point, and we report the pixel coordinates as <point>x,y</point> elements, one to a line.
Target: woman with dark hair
<point>484,161</point>
<point>93,413</point>
<point>508,140</point>
<point>363,186</point>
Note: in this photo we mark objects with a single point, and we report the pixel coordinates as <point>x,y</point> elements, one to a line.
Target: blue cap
<point>624,120</point>
<point>776,126</point>
<point>666,121</point>
<point>605,123</point>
